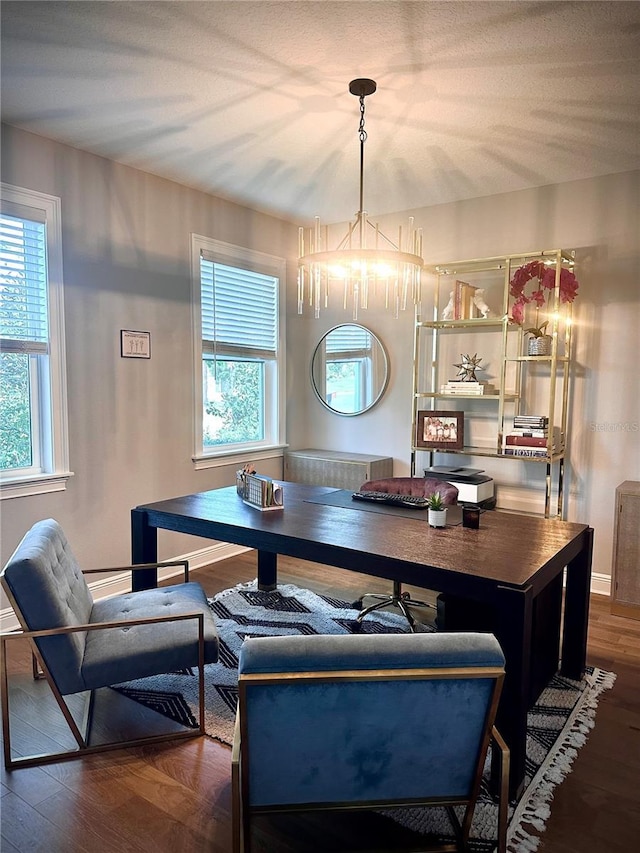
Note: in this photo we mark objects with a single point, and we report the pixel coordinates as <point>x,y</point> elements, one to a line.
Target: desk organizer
<point>259,492</point>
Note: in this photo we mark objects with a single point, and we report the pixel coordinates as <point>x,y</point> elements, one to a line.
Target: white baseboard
<point>600,584</point>
<point>117,584</point>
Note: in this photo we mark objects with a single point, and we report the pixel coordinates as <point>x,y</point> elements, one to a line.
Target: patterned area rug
<point>557,725</point>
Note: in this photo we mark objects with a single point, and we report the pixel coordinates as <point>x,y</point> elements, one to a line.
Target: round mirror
<point>349,369</point>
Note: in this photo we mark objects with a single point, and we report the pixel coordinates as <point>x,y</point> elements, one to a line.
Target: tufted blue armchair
<point>366,721</point>
<point>81,645</point>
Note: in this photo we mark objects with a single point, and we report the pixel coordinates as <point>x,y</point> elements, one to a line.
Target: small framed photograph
<point>135,344</point>
<point>440,430</point>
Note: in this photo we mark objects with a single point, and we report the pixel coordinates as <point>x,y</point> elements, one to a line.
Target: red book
<point>525,440</point>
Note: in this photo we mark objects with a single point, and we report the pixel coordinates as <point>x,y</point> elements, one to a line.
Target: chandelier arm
<point>381,234</point>
<point>345,242</point>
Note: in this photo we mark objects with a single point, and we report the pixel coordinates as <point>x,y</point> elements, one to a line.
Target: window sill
<point>219,460</point>
<point>38,484</point>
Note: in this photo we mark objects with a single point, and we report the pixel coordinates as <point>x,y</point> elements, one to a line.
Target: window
<point>33,446</point>
<point>239,363</point>
<point>348,358</point>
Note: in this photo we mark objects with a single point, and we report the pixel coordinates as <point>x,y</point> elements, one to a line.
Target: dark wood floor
<point>177,797</point>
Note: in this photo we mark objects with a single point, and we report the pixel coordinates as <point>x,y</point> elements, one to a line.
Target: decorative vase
<point>437,517</point>
<point>541,345</point>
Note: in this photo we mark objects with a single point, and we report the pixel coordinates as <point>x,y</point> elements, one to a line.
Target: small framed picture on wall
<point>135,344</point>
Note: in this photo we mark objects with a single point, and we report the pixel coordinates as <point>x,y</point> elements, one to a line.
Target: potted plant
<point>540,342</point>
<point>437,511</point>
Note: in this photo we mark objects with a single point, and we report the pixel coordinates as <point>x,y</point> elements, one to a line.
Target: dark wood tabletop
<point>507,548</point>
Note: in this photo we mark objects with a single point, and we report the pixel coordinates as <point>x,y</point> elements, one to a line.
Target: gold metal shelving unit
<point>515,371</point>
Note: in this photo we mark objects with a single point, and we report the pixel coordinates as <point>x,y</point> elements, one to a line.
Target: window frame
<point>50,410</point>
<point>275,378</point>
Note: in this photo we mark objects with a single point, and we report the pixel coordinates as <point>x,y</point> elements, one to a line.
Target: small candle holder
<point>471,517</point>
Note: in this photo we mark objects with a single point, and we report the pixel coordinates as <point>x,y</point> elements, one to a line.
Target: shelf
<point>464,289</point>
<point>508,398</point>
<point>499,262</point>
<point>471,323</point>
<point>488,452</point>
<point>559,359</point>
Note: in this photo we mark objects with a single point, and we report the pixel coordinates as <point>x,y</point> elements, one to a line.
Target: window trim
<point>233,255</point>
<point>54,479</point>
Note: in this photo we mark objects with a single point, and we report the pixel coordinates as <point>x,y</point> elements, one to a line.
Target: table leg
<point>576,611</point>
<point>513,631</point>
<point>144,549</point>
<point>267,571</point>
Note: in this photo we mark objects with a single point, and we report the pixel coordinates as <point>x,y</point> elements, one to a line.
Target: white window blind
<point>348,340</point>
<point>23,286</point>
<point>239,310</point>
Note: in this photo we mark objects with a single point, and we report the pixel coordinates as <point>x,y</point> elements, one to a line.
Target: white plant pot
<point>540,346</point>
<point>437,517</point>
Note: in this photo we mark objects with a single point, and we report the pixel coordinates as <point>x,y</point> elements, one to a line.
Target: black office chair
<point>422,487</point>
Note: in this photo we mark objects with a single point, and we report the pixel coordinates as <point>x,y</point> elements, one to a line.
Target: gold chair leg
<point>236,792</point>
<point>38,674</point>
<point>82,740</point>
<point>503,804</point>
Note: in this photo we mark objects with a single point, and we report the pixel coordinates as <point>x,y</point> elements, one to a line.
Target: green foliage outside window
<point>15,419</point>
<point>343,385</point>
<point>232,402</point>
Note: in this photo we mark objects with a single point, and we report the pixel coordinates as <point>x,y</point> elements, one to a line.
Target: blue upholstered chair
<point>422,487</point>
<point>81,645</point>
<point>366,721</point>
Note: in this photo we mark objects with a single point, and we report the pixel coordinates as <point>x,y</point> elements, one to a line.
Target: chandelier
<point>365,258</point>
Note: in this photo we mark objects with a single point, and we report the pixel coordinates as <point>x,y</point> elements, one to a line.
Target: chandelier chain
<point>362,133</point>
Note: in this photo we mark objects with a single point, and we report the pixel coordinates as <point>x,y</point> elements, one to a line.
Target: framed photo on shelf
<point>439,430</point>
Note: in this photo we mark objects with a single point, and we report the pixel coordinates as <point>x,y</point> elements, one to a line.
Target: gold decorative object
<point>468,366</point>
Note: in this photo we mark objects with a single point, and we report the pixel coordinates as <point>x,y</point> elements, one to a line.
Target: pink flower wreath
<point>546,280</point>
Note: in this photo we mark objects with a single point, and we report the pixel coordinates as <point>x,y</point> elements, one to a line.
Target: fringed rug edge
<point>534,810</point>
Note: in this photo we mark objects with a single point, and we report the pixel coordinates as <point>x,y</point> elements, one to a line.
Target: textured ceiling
<point>250,101</point>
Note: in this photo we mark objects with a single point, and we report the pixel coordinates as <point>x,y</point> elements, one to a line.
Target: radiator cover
<point>335,468</point>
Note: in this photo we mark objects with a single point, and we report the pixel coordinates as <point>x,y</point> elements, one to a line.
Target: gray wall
<point>600,219</point>
<point>126,255</point>
<point>126,263</point>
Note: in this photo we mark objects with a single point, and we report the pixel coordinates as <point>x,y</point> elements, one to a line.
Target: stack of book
<point>458,386</point>
<point>530,437</point>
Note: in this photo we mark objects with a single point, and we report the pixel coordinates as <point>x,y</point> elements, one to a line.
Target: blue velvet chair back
<point>366,719</point>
